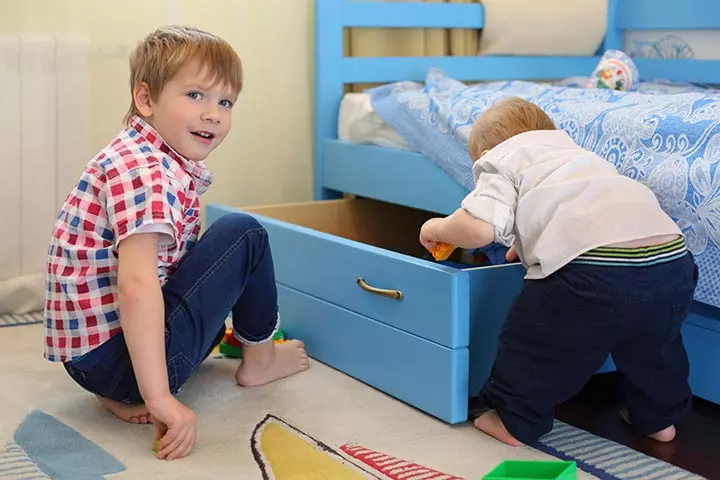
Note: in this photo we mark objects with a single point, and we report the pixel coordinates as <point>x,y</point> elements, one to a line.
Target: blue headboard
<point>332,70</point>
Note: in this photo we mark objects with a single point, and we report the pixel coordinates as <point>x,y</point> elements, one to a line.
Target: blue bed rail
<point>665,15</point>
<point>332,70</point>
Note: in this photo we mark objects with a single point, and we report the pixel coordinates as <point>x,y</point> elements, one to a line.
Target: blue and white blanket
<point>667,140</point>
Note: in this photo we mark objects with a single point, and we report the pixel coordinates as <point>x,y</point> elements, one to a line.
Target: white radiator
<point>44,145</point>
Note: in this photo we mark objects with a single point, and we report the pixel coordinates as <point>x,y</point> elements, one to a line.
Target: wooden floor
<point>697,447</point>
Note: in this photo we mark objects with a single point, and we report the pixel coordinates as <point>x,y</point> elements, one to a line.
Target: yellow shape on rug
<point>290,454</point>
<point>291,457</point>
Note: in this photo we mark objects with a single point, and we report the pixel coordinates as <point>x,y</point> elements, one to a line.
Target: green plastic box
<point>533,470</point>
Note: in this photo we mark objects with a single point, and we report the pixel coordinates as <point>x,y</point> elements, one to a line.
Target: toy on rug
<point>441,251</point>
<point>615,71</point>
<point>232,347</point>
<point>533,470</point>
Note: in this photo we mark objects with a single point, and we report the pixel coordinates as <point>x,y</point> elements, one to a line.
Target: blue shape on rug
<point>62,452</point>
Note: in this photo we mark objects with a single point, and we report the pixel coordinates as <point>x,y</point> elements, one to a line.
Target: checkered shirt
<point>137,181</point>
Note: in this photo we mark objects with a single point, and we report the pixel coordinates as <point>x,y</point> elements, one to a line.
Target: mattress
<point>359,123</point>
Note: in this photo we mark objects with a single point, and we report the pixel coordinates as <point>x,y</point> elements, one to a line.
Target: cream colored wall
<point>267,156</point>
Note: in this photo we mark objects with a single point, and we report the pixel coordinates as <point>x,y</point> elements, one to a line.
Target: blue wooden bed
<point>353,282</point>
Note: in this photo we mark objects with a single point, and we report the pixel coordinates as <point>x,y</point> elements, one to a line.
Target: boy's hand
<point>175,427</point>
<point>428,234</point>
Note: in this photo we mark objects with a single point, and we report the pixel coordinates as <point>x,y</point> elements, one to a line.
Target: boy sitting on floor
<point>608,272</point>
<point>134,301</point>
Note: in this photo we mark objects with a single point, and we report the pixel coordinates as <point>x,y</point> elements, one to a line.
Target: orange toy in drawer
<point>442,251</point>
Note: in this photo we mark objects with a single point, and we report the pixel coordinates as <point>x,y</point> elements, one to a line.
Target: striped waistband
<point>634,257</point>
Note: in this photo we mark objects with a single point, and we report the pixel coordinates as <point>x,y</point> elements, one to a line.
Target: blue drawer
<point>424,374</point>
<point>340,250</point>
<point>431,349</point>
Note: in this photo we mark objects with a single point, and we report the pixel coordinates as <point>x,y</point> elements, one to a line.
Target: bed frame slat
<point>412,15</point>
<point>391,69</point>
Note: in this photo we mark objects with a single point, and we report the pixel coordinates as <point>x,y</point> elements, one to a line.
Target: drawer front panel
<point>434,302</point>
<point>423,374</point>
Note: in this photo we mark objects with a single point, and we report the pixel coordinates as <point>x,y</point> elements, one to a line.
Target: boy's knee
<point>237,224</point>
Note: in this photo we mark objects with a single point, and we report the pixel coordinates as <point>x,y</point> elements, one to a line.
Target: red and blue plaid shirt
<point>137,183</point>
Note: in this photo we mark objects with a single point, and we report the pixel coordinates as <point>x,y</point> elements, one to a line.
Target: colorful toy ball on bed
<point>615,71</point>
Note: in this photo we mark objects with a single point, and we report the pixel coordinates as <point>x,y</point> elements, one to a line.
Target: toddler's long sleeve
<point>494,200</point>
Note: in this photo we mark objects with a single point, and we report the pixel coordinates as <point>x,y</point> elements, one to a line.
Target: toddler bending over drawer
<point>608,273</point>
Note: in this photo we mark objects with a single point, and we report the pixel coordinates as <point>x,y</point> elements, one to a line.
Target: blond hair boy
<point>608,273</point>
<point>135,301</point>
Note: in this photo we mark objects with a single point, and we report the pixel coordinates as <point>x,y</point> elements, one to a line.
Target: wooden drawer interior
<point>383,225</point>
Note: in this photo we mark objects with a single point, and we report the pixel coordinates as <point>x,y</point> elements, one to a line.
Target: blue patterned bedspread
<point>664,135</point>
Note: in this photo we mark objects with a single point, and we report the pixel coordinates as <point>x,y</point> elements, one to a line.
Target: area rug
<point>283,451</point>
<point>321,422</point>
<point>17,320</point>
<point>606,459</point>
<point>44,447</point>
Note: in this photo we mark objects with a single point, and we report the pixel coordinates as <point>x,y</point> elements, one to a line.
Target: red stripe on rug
<point>392,467</point>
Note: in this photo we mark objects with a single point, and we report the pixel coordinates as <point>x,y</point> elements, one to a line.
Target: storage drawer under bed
<point>345,252</point>
<point>353,284</point>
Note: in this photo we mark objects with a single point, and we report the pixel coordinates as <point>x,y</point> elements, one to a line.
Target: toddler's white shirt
<point>556,200</point>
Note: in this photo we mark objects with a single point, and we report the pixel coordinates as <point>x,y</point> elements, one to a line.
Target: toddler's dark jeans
<point>562,328</point>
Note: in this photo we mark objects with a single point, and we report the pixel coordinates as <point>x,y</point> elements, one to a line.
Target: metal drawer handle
<point>396,294</point>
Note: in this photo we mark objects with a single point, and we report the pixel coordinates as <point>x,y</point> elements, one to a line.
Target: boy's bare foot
<point>267,362</point>
<point>665,435</point>
<point>129,413</point>
<point>490,423</point>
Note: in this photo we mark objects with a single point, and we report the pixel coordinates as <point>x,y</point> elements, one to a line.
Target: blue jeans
<point>229,270</point>
<point>561,329</point>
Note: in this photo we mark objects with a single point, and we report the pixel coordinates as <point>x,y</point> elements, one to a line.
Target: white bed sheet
<point>358,123</point>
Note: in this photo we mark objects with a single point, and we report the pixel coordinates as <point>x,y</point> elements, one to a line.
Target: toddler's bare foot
<point>129,413</point>
<point>665,435</point>
<point>490,423</point>
<point>267,362</point>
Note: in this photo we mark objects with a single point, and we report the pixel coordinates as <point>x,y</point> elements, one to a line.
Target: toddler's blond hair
<point>162,53</point>
<point>505,119</point>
